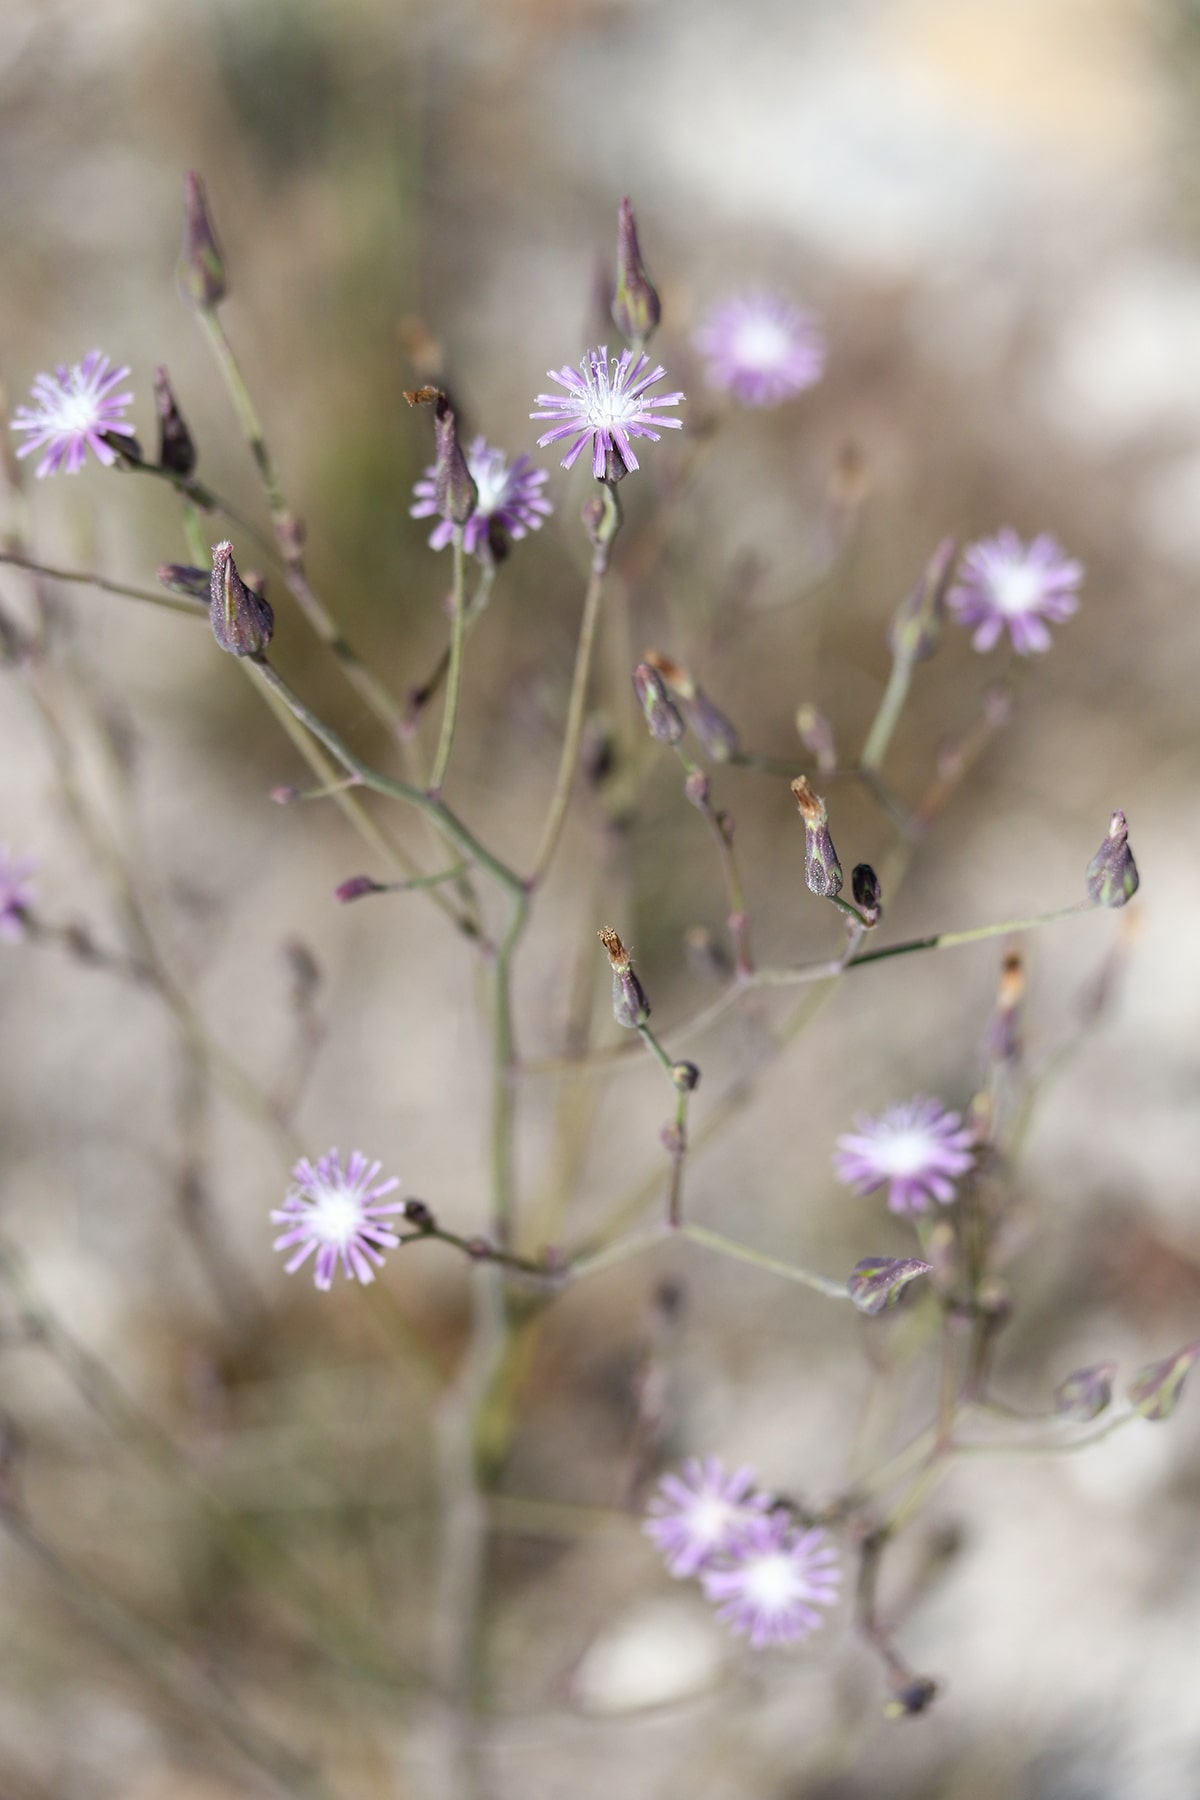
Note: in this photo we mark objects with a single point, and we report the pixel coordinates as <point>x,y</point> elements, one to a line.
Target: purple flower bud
<point>181,578</point>
<point>916,627</point>
<point>201,266</point>
<point>822,870</point>
<point>686,1076</point>
<point>878,1281</point>
<point>242,620</point>
<point>816,734</point>
<point>630,1005</point>
<point>635,305</point>
<point>418,1214</point>
<point>1156,1390</point>
<point>454,486</point>
<point>911,1697</point>
<point>356,887</point>
<point>868,895</point>
<point>1085,1393</point>
<point>176,451</point>
<point>663,718</point>
<point>1112,876</point>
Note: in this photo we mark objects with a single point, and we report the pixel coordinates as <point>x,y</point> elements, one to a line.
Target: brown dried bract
<point>618,956</point>
<point>812,807</point>
<point>423,396</point>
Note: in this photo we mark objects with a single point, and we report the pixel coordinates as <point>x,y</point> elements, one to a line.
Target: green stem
<point>556,816</point>
<point>504,1071</point>
<point>458,637</point>
<point>723,1246</point>
<point>888,716</point>
<point>195,609</point>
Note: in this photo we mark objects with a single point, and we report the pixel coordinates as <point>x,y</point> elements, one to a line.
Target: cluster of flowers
<point>765,1575</point>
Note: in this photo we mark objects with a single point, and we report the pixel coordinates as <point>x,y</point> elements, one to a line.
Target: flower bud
<point>181,578</point>
<point>878,1281</point>
<point>635,305</point>
<point>868,896</point>
<point>705,954</point>
<point>453,483</point>
<point>911,1697</point>
<point>822,870</point>
<point>816,734</point>
<point>176,451</point>
<point>686,1076</point>
<point>1085,1393</point>
<point>201,266</point>
<point>418,1214</point>
<point>356,887</point>
<point>1156,1390</point>
<point>1112,876</point>
<point>717,735</point>
<point>242,620</point>
<point>663,719</point>
<point>697,789</point>
<point>630,1005</point>
<point>916,627</point>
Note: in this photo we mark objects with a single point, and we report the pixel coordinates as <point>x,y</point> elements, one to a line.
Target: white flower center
<point>904,1152</point>
<point>1016,588</point>
<point>608,405</point>
<point>709,1519</point>
<point>336,1215</point>
<point>761,344</point>
<point>770,1582</point>
<point>76,412</point>
<point>491,479</point>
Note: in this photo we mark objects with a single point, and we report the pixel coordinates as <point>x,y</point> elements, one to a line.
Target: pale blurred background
<point>996,212</point>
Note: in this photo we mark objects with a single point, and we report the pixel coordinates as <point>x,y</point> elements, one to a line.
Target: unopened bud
<point>911,1697</point>
<point>418,1214</point>
<point>356,887</point>
<point>176,451</point>
<point>241,619</point>
<point>868,896</point>
<point>453,484</point>
<point>916,627</point>
<point>822,870</point>
<point>686,1076</point>
<point>635,304</point>
<point>816,734</point>
<point>1112,876</point>
<point>201,266</point>
<point>601,515</point>
<point>1086,1393</point>
<point>630,1005</point>
<point>1156,1390</point>
<point>716,734</point>
<point>662,717</point>
<point>181,578</point>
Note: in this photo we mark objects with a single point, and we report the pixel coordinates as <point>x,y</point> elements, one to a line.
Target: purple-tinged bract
<point>1004,583</point>
<point>72,411</point>
<point>700,1513</point>
<point>337,1213</point>
<point>771,1582</point>
<point>606,404</point>
<point>509,499</point>
<point>16,894</point>
<point>917,1150</point>
<point>761,348</point>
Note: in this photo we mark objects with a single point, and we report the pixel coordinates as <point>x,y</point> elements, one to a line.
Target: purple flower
<point>16,894</point>
<point>699,1514</point>
<point>917,1148</point>
<point>607,405</point>
<point>772,1581</point>
<point>73,409</point>
<point>337,1214</point>
<point>508,498</point>
<point>1002,581</point>
<point>761,347</point>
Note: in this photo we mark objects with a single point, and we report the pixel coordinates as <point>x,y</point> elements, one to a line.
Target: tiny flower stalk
<point>636,309</point>
<point>822,870</point>
<point>914,635</point>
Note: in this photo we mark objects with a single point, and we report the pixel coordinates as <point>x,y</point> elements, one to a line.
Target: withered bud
<point>356,887</point>
<point>663,718</point>
<point>686,1076</point>
<point>868,895</point>
<point>916,627</point>
<point>816,734</point>
<point>630,1005</point>
<point>418,1214</point>
<point>1112,876</point>
<point>635,304</point>
<point>181,578</point>
<point>242,620</point>
<point>201,265</point>
<point>453,483</point>
<point>176,451</point>
<point>822,870</point>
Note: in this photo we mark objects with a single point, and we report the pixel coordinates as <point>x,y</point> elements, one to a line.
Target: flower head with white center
<point>73,411</point>
<point>771,1582</point>
<point>761,348</point>
<point>337,1214</point>
<point>605,405</point>
<point>698,1515</point>
<point>509,499</point>
<point>16,894</point>
<point>918,1149</point>
<point>1003,583</point>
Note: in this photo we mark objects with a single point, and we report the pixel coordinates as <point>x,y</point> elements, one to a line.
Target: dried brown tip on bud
<point>201,265</point>
<point>241,619</point>
<point>1012,982</point>
<point>422,396</point>
<point>176,451</point>
<point>677,678</point>
<point>813,809</point>
<point>630,1005</point>
<point>822,870</point>
<point>618,956</point>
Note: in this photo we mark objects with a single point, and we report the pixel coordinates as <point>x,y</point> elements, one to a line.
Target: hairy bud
<point>176,451</point>
<point>822,870</point>
<point>630,1005</point>
<point>635,304</point>
<point>201,265</point>
<point>1112,876</point>
<point>242,620</point>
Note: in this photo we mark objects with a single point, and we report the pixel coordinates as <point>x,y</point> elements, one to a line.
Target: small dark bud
<point>661,715</point>
<point>418,1214</point>
<point>176,451</point>
<point>822,870</point>
<point>868,896</point>
<point>635,305</point>
<point>878,1281</point>
<point>631,1008</point>
<point>454,485</point>
<point>356,887</point>
<point>916,627</point>
<point>816,734</point>
<point>1112,876</point>
<point>697,788</point>
<point>181,578</point>
<point>1085,1394</point>
<point>201,266</point>
<point>241,619</point>
<point>686,1076</point>
<point>913,1697</point>
<point>1156,1390</point>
